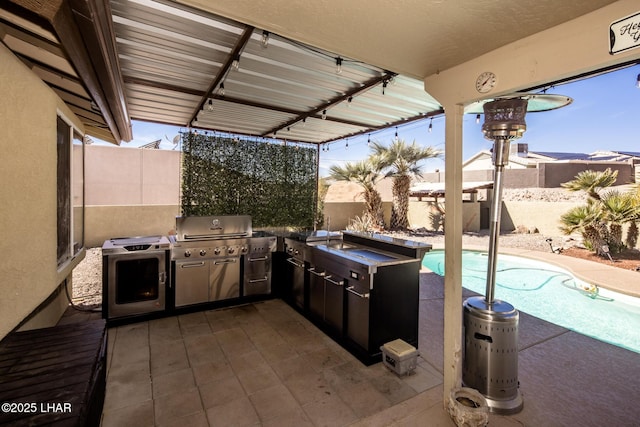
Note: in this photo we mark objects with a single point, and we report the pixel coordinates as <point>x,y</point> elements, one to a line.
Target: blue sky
<point>604,115</point>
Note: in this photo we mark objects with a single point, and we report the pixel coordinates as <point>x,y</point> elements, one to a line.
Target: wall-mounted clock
<point>486,81</point>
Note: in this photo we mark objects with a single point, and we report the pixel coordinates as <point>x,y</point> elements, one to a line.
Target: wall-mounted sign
<point>624,34</point>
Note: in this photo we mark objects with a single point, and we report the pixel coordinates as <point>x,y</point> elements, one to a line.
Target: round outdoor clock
<point>485,82</point>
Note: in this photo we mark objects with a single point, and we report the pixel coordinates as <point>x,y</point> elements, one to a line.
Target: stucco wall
<point>130,192</point>
<point>105,222</point>
<point>554,174</point>
<point>131,176</point>
<point>545,216</point>
<point>547,175</point>
<point>342,213</point>
<point>28,266</point>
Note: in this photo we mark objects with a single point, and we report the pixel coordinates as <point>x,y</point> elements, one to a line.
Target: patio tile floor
<point>265,364</point>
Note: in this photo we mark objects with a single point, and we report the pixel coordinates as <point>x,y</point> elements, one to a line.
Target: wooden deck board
<point>60,371</point>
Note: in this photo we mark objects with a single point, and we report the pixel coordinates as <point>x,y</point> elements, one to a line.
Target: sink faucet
<point>328,228</point>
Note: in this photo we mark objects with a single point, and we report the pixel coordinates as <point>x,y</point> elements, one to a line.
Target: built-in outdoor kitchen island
<point>361,289</point>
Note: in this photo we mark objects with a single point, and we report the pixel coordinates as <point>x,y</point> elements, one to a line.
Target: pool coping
<point>605,276</point>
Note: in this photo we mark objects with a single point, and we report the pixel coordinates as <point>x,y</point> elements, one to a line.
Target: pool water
<point>553,294</point>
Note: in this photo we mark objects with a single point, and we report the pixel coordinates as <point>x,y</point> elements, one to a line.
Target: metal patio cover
<point>167,62</point>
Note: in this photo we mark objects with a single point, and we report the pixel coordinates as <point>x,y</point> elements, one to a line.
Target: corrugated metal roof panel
<point>174,60</point>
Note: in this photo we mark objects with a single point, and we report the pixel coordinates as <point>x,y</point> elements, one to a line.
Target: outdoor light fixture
<point>638,81</point>
<point>236,63</point>
<point>431,125</point>
<point>210,105</point>
<point>221,89</point>
<point>349,101</point>
<point>346,145</point>
<point>384,85</point>
<point>491,325</point>
<point>324,114</point>
<point>369,140</point>
<point>338,65</point>
<point>395,138</point>
<point>265,39</point>
<point>477,118</point>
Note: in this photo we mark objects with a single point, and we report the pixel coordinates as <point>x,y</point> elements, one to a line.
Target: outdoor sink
<point>369,254</point>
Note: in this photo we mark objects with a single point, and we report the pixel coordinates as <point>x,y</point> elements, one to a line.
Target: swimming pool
<point>553,294</point>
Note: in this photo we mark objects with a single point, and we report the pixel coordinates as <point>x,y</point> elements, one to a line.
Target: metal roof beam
<point>353,92</point>
<point>235,53</point>
<point>386,126</point>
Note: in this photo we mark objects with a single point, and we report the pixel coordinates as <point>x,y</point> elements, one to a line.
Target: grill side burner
<point>258,264</point>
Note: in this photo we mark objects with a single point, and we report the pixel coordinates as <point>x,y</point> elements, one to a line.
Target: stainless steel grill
<point>206,257</point>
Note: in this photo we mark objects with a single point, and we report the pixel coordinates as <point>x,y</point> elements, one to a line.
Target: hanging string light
<point>384,85</point>
<point>324,114</point>
<point>477,118</point>
<point>210,105</point>
<point>236,63</point>
<point>221,89</point>
<point>349,101</point>
<point>431,125</point>
<point>346,146</point>
<point>265,39</point>
<point>338,65</point>
<point>369,140</point>
<point>395,138</point>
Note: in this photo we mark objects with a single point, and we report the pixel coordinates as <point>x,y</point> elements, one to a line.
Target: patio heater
<point>491,325</point>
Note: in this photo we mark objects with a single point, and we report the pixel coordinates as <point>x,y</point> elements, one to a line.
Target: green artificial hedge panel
<point>274,183</point>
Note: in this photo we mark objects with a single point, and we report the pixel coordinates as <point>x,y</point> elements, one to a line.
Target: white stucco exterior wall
<point>28,266</point>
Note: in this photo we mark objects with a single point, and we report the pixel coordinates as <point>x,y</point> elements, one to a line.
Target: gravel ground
<point>87,280</point>
<point>87,276</point>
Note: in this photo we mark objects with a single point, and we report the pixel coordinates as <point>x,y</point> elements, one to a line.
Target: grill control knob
<point>203,252</point>
<point>231,250</point>
<point>297,252</point>
<point>243,249</point>
<point>216,251</point>
<point>187,254</point>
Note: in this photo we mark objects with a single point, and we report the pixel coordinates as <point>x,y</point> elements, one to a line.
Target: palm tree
<point>617,209</point>
<point>602,219</point>
<point>585,219</point>
<point>401,161</point>
<point>592,181</point>
<point>632,231</point>
<point>365,173</point>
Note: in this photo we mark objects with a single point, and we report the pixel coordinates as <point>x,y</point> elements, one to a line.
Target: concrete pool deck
<point>605,276</point>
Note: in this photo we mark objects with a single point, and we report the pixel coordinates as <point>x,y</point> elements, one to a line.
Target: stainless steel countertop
<point>370,257</point>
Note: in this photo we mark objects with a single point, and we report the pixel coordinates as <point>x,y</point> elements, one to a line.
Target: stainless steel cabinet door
<point>358,315</point>
<point>224,277</point>
<point>316,292</point>
<point>192,282</point>
<point>334,299</point>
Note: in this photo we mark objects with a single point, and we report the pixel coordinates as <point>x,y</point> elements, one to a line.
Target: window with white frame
<point>70,191</point>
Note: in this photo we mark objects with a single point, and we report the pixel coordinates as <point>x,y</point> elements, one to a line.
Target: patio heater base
<point>491,353</point>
